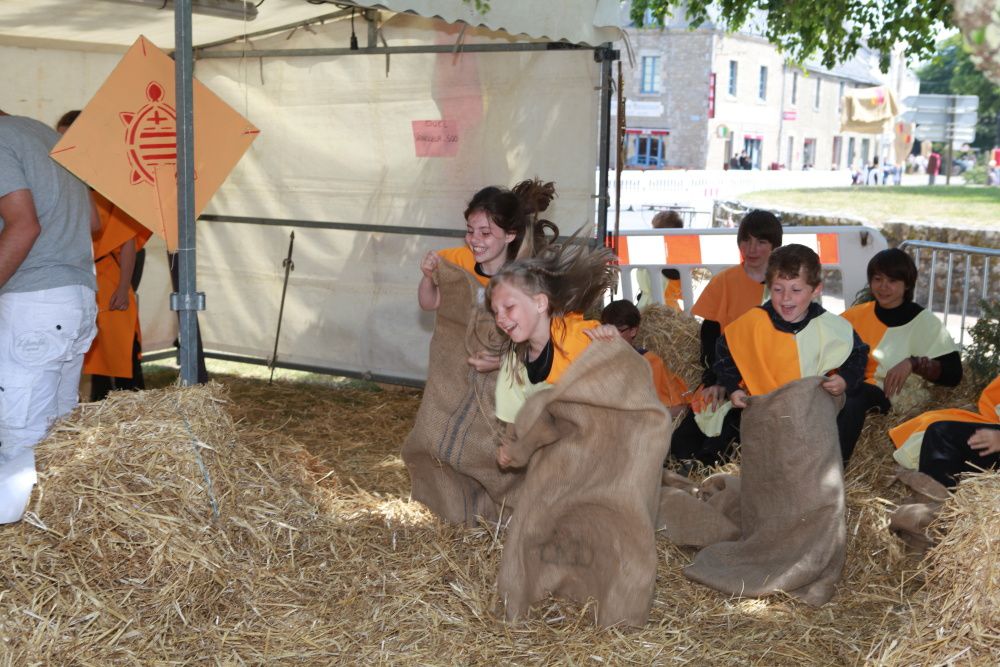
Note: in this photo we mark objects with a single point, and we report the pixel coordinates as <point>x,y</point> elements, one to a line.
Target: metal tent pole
<point>606,56</point>
<point>185,301</point>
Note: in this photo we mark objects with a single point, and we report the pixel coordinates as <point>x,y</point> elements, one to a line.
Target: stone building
<point>697,99</point>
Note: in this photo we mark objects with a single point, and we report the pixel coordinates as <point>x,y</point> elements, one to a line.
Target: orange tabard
<point>672,294</point>
<point>671,389</point>
<point>728,295</point>
<point>568,342</point>
<point>988,402</point>
<point>111,352</point>
<point>871,330</point>
<point>464,258</point>
<point>767,358</point>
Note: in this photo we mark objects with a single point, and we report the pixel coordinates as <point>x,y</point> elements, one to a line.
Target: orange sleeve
<point>463,257</point>
<point>671,389</point>
<point>568,342</point>
<point>728,295</point>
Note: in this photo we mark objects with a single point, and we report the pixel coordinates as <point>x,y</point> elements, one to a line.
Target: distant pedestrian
<point>933,166</point>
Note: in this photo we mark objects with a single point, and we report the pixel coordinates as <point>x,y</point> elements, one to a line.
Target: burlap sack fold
<point>791,503</point>
<point>594,446</point>
<point>696,515</point>
<point>910,520</point>
<point>451,451</point>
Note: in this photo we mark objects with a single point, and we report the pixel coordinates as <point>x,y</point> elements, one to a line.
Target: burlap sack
<point>451,451</point>
<point>594,446</point>
<point>910,520</point>
<point>791,503</point>
<point>696,515</point>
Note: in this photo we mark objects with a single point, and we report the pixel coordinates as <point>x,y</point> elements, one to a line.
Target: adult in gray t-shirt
<point>62,253</point>
<point>47,304</point>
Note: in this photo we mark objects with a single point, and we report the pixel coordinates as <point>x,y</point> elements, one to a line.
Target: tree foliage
<point>951,72</point>
<point>832,29</point>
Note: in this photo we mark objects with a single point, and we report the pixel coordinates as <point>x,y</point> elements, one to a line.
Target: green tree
<point>834,29</point>
<point>951,72</point>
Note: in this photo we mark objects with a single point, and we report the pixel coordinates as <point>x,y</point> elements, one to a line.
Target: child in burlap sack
<point>729,294</point>
<point>788,363</point>
<point>591,434</point>
<point>450,453</point>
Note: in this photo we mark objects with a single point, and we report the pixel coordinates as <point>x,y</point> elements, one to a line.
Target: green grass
<point>958,206</point>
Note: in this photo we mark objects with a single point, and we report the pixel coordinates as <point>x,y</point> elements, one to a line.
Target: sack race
<point>792,507</point>
<point>451,451</point>
<point>594,446</point>
<point>696,515</point>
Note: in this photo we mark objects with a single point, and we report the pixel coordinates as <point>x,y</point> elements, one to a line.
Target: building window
<point>837,148</point>
<point>762,88</point>
<point>733,71</point>
<point>795,88</point>
<point>808,153</point>
<point>647,151</point>
<point>816,97</point>
<point>791,152</point>
<point>851,153</point>
<point>865,149</point>
<point>840,98</point>
<point>650,75</point>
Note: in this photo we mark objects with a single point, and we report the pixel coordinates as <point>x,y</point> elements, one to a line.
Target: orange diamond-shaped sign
<point>124,143</point>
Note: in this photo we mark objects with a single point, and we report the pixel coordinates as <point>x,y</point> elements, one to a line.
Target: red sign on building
<point>791,114</point>
<point>711,95</point>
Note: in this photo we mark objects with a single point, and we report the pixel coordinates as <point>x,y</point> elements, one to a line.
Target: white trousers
<point>43,337</point>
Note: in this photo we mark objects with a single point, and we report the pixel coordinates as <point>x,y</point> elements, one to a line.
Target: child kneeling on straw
<point>672,390</point>
<point>788,338</point>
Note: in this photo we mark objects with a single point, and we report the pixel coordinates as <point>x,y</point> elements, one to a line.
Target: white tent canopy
<point>339,160</point>
<point>107,25</point>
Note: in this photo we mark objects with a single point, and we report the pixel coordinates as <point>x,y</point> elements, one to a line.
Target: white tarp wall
<point>338,143</point>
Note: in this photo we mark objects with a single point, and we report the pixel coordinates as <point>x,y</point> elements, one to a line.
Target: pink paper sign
<point>435,138</point>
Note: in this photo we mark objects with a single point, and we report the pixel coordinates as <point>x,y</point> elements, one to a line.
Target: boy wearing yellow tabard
<point>786,339</point>
<point>903,338</point>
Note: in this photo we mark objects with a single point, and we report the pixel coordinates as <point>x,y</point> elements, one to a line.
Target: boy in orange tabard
<point>786,339</point>
<point>672,390</point>
<point>735,290</point>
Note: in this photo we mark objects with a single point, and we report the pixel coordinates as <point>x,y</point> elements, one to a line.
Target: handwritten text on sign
<point>435,138</point>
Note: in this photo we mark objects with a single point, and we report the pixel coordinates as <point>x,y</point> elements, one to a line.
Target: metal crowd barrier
<point>966,255</point>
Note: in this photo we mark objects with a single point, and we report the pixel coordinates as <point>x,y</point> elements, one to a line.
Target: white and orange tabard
<point>909,436</point>
<point>768,358</point>
<point>924,335</point>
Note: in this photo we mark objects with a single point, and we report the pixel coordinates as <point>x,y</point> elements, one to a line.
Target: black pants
<point>175,281</point>
<point>101,385</point>
<point>945,451</point>
<point>689,443</point>
<point>851,418</point>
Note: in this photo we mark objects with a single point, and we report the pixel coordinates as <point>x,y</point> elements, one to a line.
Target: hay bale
<point>953,619</point>
<point>318,558</point>
<point>675,338</point>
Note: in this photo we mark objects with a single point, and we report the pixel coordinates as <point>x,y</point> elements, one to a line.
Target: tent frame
<point>187,301</point>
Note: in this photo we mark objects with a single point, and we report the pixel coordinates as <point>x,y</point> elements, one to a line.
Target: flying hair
<point>516,211</point>
<point>573,275</point>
